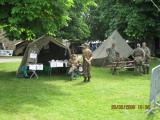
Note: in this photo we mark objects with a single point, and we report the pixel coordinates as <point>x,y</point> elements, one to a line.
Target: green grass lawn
<point>57,98</point>
<point>5,57</point>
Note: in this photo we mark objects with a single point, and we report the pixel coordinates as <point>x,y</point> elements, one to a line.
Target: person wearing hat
<point>146,58</point>
<point>87,58</point>
<point>138,55</point>
<point>74,64</point>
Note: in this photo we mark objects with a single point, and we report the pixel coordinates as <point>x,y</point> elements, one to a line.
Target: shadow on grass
<point>153,116</point>
<point>16,93</point>
<point>81,83</point>
<point>150,117</point>
<point>11,75</point>
<point>4,75</point>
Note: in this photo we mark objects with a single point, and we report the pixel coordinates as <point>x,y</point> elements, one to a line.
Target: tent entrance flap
<point>52,51</point>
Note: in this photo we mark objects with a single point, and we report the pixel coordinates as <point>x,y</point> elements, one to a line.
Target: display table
<point>35,67</point>
<point>58,64</point>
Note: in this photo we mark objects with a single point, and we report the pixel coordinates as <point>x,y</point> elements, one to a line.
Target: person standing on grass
<point>87,58</point>
<point>138,55</point>
<point>111,53</point>
<point>146,58</point>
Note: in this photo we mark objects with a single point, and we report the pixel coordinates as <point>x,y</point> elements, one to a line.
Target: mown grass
<point>58,98</point>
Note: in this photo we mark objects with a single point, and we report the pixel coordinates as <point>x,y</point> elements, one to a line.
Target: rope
<point>155,5</point>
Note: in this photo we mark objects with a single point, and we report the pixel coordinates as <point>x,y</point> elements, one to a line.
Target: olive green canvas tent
<point>100,54</point>
<point>47,48</point>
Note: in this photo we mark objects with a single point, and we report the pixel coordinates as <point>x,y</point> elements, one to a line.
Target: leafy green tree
<point>77,28</point>
<point>135,19</point>
<point>28,19</point>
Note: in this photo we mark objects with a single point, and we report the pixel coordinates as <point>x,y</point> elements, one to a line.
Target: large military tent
<point>47,49</point>
<point>100,54</point>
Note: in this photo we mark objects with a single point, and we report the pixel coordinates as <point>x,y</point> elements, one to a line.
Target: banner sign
<point>6,52</point>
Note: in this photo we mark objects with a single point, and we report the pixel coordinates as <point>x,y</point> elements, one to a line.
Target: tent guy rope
<point>155,5</point>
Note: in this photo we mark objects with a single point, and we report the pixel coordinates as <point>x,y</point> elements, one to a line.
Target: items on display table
<point>32,67</point>
<point>58,63</point>
<point>53,63</point>
<point>39,66</point>
<point>35,66</point>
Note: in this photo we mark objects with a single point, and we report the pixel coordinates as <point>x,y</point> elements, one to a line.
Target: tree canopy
<point>136,19</point>
<point>77,28</point>
<point>80,19</point>
<point>32,18</point>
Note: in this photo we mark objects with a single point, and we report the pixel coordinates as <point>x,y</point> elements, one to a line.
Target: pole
<point>155,5</point>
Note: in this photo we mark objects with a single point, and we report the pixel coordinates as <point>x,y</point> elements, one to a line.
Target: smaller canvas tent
<point>100,54</point>
<point>21,47</point>
<point>46,48</point>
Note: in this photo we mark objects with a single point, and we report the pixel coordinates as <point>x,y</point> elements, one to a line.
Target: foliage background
<point>80,20</point>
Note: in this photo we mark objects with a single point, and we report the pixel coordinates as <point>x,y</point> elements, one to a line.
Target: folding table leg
<point>50,72</point>
<point>34,73</point>
<point>31,75</point>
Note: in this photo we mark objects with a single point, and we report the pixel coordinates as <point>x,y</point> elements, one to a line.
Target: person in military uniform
<point>111,53</point>
<point>87,58</point>
<point>117,64</point>
<point>146,58</point>
<point>138,55</point>
<point>74,64</point>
